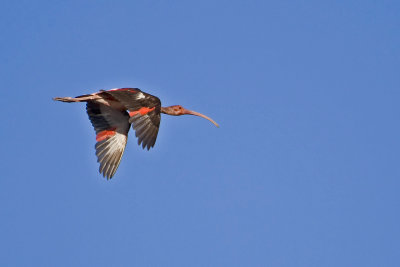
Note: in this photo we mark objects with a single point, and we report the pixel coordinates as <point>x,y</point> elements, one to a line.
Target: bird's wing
<point>144,111</point>
<point>146,128</point>
<point>112,127</point>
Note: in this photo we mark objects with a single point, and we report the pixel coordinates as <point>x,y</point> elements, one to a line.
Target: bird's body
<point>111,114</point>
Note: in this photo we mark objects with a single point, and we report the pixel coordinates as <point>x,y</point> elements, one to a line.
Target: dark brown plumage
<point>111,114</point>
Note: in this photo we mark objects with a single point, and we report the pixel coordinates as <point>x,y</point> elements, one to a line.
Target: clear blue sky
<point>304,170</point>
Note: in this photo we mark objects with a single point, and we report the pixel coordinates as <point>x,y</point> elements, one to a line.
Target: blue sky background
<point>304,170</point>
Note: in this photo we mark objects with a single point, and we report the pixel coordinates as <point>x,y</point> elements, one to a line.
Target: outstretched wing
<point>112,127</point>
<point>144,111</point>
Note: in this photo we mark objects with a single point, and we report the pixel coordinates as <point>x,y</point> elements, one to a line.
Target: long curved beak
<point>190,112</point>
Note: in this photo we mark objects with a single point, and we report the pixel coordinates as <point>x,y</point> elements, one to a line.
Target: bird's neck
<point>167,110</point>
<point>164,110</point>
<point>171,110</point>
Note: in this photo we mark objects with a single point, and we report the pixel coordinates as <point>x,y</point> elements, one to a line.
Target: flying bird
<point>112,112</point>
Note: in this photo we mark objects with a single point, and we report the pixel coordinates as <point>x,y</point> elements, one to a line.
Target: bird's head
<point>178,110</point>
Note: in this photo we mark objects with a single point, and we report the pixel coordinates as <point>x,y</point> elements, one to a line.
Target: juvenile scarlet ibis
<point>111,114</point>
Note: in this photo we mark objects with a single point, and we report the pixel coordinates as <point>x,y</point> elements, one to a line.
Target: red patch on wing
<point>142,111</point>
<point>124,89</point>
<point>105,134</point>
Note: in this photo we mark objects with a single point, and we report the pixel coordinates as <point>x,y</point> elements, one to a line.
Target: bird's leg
<point>82,98</point>
<point>67,99</point>
<point>99,98</point>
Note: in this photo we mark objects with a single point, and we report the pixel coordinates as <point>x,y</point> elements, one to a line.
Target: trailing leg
<point>82,98</point>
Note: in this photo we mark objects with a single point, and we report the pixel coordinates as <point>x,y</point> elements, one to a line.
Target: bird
<point>112,112</point>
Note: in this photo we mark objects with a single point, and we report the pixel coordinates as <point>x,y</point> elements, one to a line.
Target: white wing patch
<point>139,95</point>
